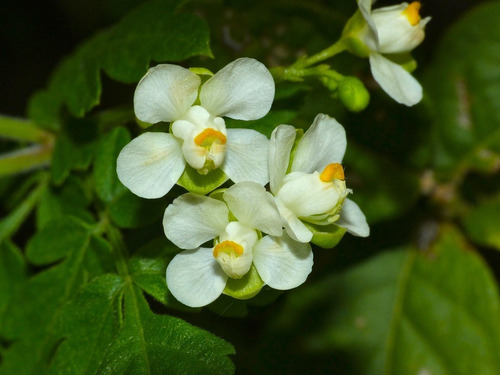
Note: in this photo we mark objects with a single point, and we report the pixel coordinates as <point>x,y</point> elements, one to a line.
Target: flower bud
<point>353,94</point>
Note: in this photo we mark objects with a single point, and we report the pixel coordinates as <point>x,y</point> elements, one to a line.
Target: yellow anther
<point>411,12</point>
<point>209,136</point>
<point>333,171</point>
<point>228,247</point>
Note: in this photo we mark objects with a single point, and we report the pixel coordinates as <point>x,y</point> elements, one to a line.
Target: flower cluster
<point>256,237</point>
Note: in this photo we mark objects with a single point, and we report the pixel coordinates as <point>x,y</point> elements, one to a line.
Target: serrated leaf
<point>130,211</point>
<point>158,344</point>
<point>406,312</point>
<point>154,31</point>
<point>106,180</point>
<point>463,88</point>
<point>33,311</point>
<point>483,223</point>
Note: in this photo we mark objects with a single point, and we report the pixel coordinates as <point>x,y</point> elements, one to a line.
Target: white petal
<point>253,206</point>
<point>151,164</point>
<point>246,156</point>
<point>395,80</point>
<point>165,93</point>
<point>293,226</point>
<point>353,219</point>
<point>243,89</point>
<point>195,278</point>
<point>365,7</point>
<point>283,263</point>
<point>323,143</point>
<point>192,220</point>
<point>280,147</point>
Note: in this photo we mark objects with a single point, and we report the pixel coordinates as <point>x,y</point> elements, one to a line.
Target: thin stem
<point>23,130</point>
<point>331,51</point>
<point>25,159</point>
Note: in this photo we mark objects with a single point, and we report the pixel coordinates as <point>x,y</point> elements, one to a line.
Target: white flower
<point>153,162</point>
<point>393,30</point>
<point>314,191</point>
<point>197,276</point>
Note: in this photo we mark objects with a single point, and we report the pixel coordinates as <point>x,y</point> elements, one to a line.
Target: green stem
<point>23,130</point>
<point>10,224</point>
<point>25,159</point>
<point>331,51</point>
<point>297,74</point>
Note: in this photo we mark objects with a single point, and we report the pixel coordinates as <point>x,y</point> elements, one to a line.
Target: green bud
<point>330,83</point>
<point>353,94</point>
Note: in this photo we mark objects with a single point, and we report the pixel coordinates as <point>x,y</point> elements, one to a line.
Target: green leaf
<point>406,312</point>
<point>32,314</point>
<point>154,31</point>
<point>161,344</point>
<point>382,189</point>
<point>463,93</point>
<point>106,180</point>
<point>130,211</point>
<point>13,272</point>
<point>148,269</point>
<point>59,201</point>
<point>483,223</point>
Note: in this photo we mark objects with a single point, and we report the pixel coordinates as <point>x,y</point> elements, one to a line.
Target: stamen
<point>333,171</point>
<point>209,136</point>
<point>228,247</point>
<point>411,12</point>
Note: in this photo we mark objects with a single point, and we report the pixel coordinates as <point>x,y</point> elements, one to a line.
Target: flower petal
<point>353,219</point>
<point>165,93</point>
<point>246,156</point>
<point>395,80</point>
<point>323,143</point>
<point>253,206</point>
<point>365,7</point>
<point>294,227</point>
<point>283,263</point>
<point>280,146</point>
<point>243,90</point>
<point>192,220</point>
<point>151,164</point>
<point>195,278</point>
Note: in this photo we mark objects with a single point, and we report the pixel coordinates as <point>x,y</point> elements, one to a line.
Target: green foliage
<point>463,94</point>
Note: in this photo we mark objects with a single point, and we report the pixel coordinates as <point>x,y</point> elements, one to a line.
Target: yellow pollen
<point>209,136</point>
<point>411,12</point>
<point>228,247</point>
<point>333,171</point>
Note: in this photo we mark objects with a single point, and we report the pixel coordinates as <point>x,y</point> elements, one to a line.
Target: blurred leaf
<point>13,272</point>
<point>68,199</point>
<point>405,312</point>
<point>267,124</point>
<point>483,223</point>
<point>106,180</point>
<point>463,87</point>
<point>130,211</point>
<point>31,315</point>
<point>68,156</point>
<point>381,188</point>
<point>154,31</point>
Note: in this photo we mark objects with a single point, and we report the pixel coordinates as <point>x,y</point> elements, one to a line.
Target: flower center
<point>333,171</point>
<point>411,12</point>
<point>208,136</point>
<point>230,248</point>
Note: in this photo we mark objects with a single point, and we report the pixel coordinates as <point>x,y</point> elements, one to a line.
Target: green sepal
<point>350,35</point>
<point>406,60</point>
<point>201,71</point>
<point>246,287</point>
<point>299,133</point>
<point>195,182</point>
<point>218,194</point>
<point>326,236</point>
